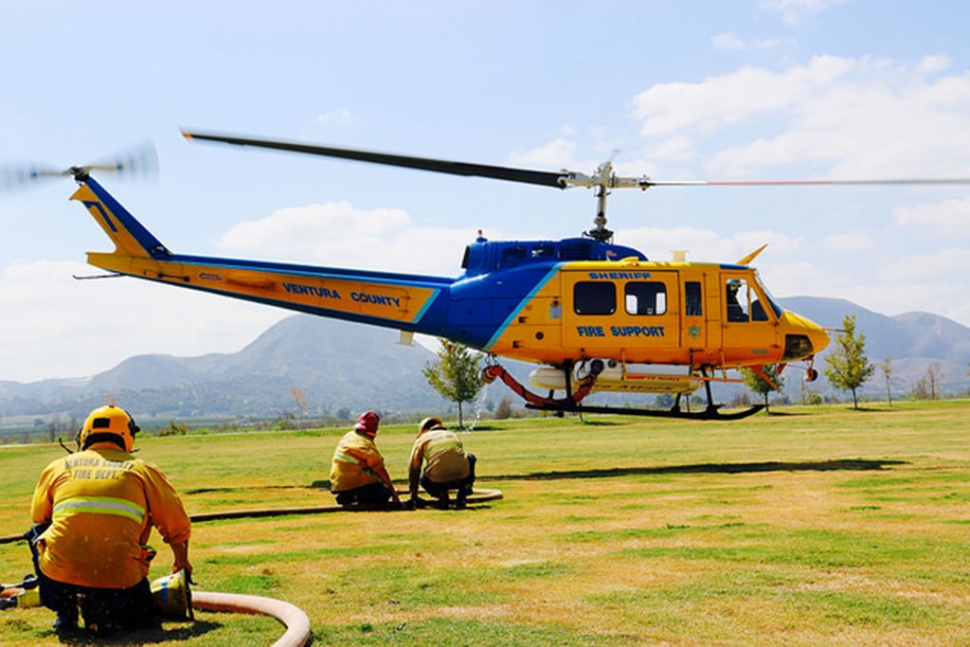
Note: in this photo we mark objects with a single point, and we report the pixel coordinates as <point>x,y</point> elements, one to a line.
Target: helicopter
<point>595,316</point>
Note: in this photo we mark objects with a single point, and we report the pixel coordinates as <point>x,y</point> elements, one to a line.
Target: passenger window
<point>544,251</point>
<point>511,255</point>
<point>593,298</point>
<point>646,298</point>
<point>694,302</point>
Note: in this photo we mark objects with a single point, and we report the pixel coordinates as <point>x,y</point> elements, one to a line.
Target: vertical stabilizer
<point>130,236</point>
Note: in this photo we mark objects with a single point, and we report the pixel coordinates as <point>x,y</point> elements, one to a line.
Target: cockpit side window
<point>757,310</point>
<point>744,301</point>
<point>736,297</point>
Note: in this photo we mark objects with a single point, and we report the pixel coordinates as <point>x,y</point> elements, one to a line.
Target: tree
<point>455,375</point>
<point>301,403</point>
<point>887,371</point>
<point>504,409</point>
<point>935,376</point>
<point>928,384</point>
<point>759,385</point>
<point>847,366</point>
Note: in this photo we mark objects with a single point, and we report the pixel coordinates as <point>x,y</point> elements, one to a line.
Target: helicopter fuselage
<point>547,302</point>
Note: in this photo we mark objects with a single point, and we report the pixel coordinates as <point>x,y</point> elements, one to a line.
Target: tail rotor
<point>138,162</point>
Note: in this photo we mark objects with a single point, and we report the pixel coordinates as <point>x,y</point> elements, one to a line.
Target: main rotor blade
<point>526,176</point>
<point>805,182</point>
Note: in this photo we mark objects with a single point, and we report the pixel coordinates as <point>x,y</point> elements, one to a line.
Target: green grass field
<point>815,525</point>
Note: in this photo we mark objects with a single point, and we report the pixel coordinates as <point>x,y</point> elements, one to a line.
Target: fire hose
<point>296,621</point>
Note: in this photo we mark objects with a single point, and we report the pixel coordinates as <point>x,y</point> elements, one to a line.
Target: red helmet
<point>367,422</point>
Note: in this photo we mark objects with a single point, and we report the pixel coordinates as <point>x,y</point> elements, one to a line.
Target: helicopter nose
<point>803,337</point>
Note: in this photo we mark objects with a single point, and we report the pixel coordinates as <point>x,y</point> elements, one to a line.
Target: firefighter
<point>357,473</point>
<point>93,513</point>
<point>449,467</point>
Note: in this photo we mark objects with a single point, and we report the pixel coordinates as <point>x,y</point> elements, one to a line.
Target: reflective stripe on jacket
<point>355,462</point>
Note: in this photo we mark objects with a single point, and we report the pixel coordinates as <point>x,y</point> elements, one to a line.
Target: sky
<point>703,90</point>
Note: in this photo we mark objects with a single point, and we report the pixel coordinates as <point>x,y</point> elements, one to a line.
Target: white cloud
<point>944,264</point>
<point>303,231</point>
<point>340,115</point>
<point>934,63</point>
<point>729,42</point>
<point>672,108</point>
<point>798,278</point>
<point>851,241</point>
<point>556,154</point>
<point>794,11</point>
<point>863,118</point>
<point>673,148</point>
<point>939,298</point>
<point>948,218</point>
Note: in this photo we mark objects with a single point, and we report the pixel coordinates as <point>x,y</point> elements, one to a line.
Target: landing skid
<point>711,413</point>
<point>571,403</point>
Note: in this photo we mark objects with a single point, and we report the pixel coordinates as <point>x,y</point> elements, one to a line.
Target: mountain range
<point>345,367</point>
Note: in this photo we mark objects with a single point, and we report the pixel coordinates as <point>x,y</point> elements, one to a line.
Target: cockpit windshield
<point>768,295</point>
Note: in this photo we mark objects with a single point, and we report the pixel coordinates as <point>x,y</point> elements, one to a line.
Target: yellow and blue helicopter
<point>594,315</point>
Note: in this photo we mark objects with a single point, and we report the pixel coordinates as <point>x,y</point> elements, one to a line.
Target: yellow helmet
<point>430,423</point>
<point>173,596</point>
<point>108,423</point>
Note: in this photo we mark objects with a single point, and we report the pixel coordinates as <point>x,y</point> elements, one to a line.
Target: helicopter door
<point>694,327</point>
<point>750,330</point>
<point>630,315</point>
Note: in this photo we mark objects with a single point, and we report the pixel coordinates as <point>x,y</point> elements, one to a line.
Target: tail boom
<point>401,301</point>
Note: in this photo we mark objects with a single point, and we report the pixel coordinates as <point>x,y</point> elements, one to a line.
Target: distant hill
<point>914,341</point>
<point>336,365</point>
<point>340,365</point>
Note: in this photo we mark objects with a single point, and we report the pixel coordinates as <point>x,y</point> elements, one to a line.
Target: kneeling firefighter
<point>93,513</point>
<point>447,465</point>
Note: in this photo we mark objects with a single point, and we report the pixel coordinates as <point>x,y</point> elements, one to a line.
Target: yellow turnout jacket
<point>354,462</point>
<point>101,504</point>
<point>445,454</point>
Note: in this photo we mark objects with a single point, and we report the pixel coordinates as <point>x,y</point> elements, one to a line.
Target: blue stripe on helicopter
<point>90,204</point>
<point>553,271</point>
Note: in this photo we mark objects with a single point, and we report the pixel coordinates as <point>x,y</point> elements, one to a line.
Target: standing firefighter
<point>448,466</point>
<point>93,513</point>
<point>357,473</point>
